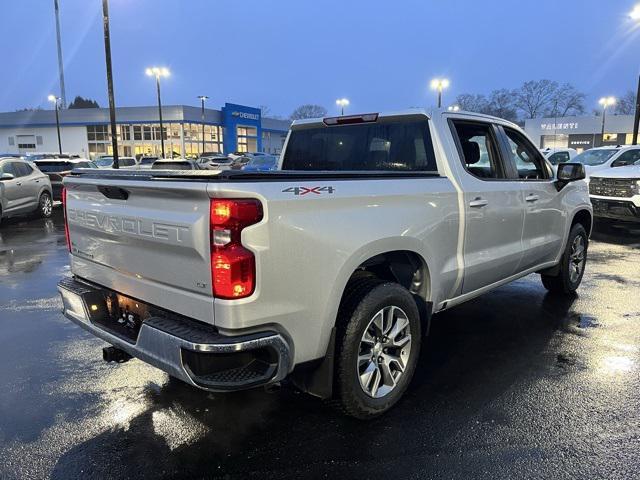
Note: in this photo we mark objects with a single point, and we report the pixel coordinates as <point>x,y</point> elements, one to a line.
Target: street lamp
<point>202,99</point>
<point>55,100</point>
<point>453,108</point>
<point>159,72</point>
<point>439,84</point>
<point>342,102</point>
<point>605,102</point>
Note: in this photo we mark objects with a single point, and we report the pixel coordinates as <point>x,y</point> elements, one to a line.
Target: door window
<point>629,157</point>
<point>8,167</point>
<point>525,158</point>
<point>478,149</point>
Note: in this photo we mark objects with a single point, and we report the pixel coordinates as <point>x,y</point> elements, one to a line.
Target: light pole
<point>453,108</point>
<point>63,96</point>
<point>55,100</point>
<point>439,84</point>
<point>159,72</point>
<point>635,16</point>
<point>112,103</point>
<point>605,102</point>
<point>342,102</point>
<point>202,100</point>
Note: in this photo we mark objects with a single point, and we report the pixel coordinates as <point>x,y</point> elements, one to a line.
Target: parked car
<point>615,193</point>
<point>327,271</point>
<point>44,156</point>
<point>603,158</point>
<point>263,163</point>
<point>126,163</point>
<point>59,168</point>
<point>146,162</point>
<point>23,189</point>
<point>559,155</point>
<point>216,162</point>
<point>175,164</point>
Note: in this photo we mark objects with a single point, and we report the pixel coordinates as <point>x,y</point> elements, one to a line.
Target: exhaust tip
<point>113,354</point>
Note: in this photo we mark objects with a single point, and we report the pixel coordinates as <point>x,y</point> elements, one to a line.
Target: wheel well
<point>583,217</point>
<point>406,268</point>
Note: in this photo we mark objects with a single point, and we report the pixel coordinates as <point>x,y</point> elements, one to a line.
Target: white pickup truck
<point>615,193</point>
<point>327,271</point>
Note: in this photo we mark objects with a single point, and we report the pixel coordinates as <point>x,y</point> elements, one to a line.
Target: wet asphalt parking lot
<point>515,384</point>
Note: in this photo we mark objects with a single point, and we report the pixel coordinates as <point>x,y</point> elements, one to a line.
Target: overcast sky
<point>282,53</point>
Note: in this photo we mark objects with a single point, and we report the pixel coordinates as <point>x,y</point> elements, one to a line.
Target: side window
<point>629,157</point>
<point>21,169</point>
<point>8,167</point>
<point>478,149</point>
<point>526,159</point>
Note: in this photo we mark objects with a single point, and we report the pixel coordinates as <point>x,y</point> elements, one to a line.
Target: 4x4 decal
<point>306,190</point>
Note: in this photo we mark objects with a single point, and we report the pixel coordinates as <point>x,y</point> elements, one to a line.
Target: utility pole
<point>63,94</point>
<point>202,99</point>
<point>112,103</point>
<point>636,119</point>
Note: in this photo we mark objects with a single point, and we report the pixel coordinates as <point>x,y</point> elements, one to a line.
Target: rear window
<point>54,167</point>
<point>380,146</point>
<point>147,160</point>
<point>126,162</point>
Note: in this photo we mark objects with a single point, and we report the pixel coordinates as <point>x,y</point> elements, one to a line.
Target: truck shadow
<point>474,354</point>
<point>617,233</point>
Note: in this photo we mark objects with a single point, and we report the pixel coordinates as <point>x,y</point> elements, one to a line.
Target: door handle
<point>478,202</point>
<point>532,198</point>
<point>19,184</point>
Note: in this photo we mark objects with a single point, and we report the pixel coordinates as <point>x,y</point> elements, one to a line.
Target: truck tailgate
<point>146,238</point>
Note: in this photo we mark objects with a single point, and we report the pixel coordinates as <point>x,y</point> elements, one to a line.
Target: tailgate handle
<point>115,193</point>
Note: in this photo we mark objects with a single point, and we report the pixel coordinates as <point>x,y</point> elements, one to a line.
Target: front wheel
<point>45,205</point>
<point>378,347</point>
<point>572,264</point>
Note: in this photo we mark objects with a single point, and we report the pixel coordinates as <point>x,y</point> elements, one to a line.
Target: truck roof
<point>407,113</point>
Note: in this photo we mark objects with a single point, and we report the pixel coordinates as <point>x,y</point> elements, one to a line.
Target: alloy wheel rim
<point>47,205</point>
<point>384,351</point>
<point>576,259</point>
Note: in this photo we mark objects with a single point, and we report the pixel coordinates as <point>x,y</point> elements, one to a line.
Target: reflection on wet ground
<point>515,384</point>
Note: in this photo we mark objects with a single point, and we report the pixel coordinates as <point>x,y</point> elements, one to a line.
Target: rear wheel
<point>378,347</point>
<point>572,264</point>
<point>45,205</point>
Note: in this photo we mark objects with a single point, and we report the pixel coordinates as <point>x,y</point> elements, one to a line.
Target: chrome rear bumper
<point>188,350</point>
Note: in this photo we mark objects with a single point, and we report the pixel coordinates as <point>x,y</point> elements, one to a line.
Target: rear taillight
<point>233,267</point>
<point>66,222</point>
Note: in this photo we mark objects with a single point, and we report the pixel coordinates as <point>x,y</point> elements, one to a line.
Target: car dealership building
<point>580,133</point>
<point>233,128</point>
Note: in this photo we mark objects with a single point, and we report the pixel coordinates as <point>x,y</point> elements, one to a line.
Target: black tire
<point>45,205</point>
<point>563,282</point>
<point>364,298</point>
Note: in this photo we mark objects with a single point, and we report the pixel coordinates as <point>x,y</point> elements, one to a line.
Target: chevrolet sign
<point>246,115</point>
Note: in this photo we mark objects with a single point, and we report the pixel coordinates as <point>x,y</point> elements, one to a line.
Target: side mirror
<point>6,176</point>
<point>569,172</point>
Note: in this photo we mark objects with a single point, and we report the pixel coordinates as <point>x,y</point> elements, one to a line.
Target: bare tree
<point>535,97</point>
<point>471,102</point>
<point>308,111</point>
<point>626,104</point>
<point>502,104</point>
<point>566,100</point>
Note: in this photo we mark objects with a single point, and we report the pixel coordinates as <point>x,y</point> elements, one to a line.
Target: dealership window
<point>629,139</point>
<point>610,137</point>
<point>137,132</point>
<point>555,141</point>
<point>247,139</point>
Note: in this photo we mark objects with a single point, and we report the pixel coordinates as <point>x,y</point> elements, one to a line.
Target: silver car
<point>23,189</point>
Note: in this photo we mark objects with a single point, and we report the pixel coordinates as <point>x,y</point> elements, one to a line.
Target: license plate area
<point>116,313</point>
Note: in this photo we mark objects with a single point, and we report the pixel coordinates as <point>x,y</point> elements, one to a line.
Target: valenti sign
<point>559,126</point>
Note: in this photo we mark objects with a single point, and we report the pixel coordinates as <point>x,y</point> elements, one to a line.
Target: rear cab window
<point>400,144</point>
